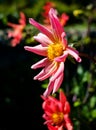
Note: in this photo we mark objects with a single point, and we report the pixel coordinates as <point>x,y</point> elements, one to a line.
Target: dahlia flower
<point>55,49</point>
<point>16,33</point>
<point>56,112</point>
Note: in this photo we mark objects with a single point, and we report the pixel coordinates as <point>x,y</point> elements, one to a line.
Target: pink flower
<point>54,47</point>
<point>56,112</point>
<point>16,33</point>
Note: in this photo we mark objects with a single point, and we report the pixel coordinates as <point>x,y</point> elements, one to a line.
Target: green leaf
<point>92,101</point>
<point>93,113</point>
<point>77,103</point>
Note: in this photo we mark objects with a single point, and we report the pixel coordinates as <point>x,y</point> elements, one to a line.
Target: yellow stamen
<point>57,118</point>
<point>54,50</point>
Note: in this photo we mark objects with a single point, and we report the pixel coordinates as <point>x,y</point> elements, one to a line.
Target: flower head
<point>16,33</point>
<point>54,47</point>
<point>56,112</point>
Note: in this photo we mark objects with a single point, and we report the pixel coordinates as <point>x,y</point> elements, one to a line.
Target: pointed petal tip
<point>30,20</point>
<point>79,59</point>
<point>32,67</point>
<point>25,47</point>
<point>35,78</point>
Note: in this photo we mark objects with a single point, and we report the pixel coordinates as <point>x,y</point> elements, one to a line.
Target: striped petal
<point>58,83</point>
<point>39,64</point>
<point>62,58</point>
<point>56,26</point>
<point>37,49</point>
<point>49,70</point>
<point>46,72</point>
<point>43,39</point>
<point>49,89</point>
<point>71,51</point>
<point>43,29</point>
<point>58,72</point>
<point>64,40</point>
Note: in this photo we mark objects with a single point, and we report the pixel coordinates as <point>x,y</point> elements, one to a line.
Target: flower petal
<point>56,26</point>
<point>43,39</point>
<point>49,70</point>
<point>58,72</point>
<point>64,40</point>
<point>49,89</point>
<point>37,49</point>
<point>62,98</point>
<point>57,83</point>
<point>69,125</point>
<point>46,72</point>
<point>39,64</point>
<point>66,107</point>
<point>43,29</point>
<point>62,58</point>
<point>71,51</point>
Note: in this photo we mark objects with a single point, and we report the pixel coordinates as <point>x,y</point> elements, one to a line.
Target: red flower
<point>46,8</point>
<point>63,18</point>
<point>57,112</point>
<point>16,33</point>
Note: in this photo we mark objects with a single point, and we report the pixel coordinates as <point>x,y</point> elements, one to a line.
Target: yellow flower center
<point>57,118</point>
<point>54,50</point>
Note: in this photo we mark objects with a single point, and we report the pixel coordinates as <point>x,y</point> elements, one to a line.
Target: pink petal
<point>49,70</point>
<point>46,72</point>
<point>43,39</point>
<point>43,29</point>
<point>62,58</point>
<point>56,26</point>
<point>71,51</point>
<point>39,64</point>
<point>42,73</point>
<point>58,72</point>
<point>49,89</point>
<point>37,49</point>
<point>64,40</point>
<point>58,83</point>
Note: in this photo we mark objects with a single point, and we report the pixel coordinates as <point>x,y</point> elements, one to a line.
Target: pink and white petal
<point>50,65</point>
<point>62,58</point>
<point>64,40</point>
<point>58,72</point>
<point>46,72</point>
<point>49,89</point>
<point>43,29</point>
<point>58,83</point>
<point>49,70</point>
<point>37,49</point>
<point>56,26</point>
<point>71,51</point>
<point>43,39</point>
<point>39,75</point>
<point>41,63</point>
